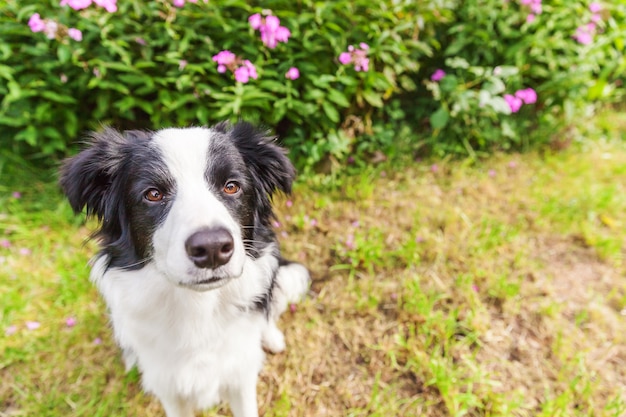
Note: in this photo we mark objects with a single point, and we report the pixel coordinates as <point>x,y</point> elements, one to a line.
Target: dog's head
<point>194,201</point>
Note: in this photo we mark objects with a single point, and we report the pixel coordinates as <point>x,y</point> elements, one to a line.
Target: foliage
<point>150,64</point>
<point>338,81</point>
<point>495,48</point>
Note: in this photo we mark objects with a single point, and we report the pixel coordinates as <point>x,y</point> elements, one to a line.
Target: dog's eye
<point>231,188</point>
<point>153,195</point>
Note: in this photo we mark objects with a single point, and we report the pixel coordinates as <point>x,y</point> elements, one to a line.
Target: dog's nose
<point>210,248</point>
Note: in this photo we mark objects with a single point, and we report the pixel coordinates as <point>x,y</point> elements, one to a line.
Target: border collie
<point>189,266</point>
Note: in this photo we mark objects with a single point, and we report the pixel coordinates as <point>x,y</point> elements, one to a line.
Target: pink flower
<point>10,330</point>
<point>182,64</point>
<point>242,75</point>
<point>293,73</point>
<point>178,3</point>
<point>272,22</point>
<point>17,195</point>
<point>350,242</point>
<point>514,103</point>
<point>33,325</point>
<point>271,30</point>
<point>595,7</point>
<point>242,69</point>
<point>584,34</point>
<point>109,5</point>
<point>289,203</point>
<point>357,56</point>
<point>70,322</point>
<point>75,34</point>
<point>36,24</point>
<point>530,18</point>
<point>97,341</point>
<point>25,252</point>
<point>438,75</point>
<point>50,29</point>
<point>255,21</point>
<point>345,58</point>
<point>76,4</point>
<point>5,243</point>
<point>282,34</point>
<point>527,95</point>
<point>224,57</point>
<point>251,69</point>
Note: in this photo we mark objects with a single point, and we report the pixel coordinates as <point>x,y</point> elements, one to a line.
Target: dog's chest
<point>185,342</point>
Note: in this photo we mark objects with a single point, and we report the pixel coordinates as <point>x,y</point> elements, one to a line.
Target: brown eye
<point>153,195</point>
<point>231,188</point>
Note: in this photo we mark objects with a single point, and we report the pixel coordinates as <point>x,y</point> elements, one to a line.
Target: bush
<point>151,64</point>
<point>569,52</point>
<point>340,80</point>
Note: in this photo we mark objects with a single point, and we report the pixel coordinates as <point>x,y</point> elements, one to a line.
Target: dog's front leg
<point>242,399</point>
<point>176,407</point>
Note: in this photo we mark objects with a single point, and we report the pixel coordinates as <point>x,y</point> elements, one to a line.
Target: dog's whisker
<point>134,264</point>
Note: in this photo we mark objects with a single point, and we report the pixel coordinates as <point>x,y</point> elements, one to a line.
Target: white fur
<point>196,347</point>
<point>185,152</point>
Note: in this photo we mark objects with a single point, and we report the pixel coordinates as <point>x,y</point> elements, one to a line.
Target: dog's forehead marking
<point>185,151</point>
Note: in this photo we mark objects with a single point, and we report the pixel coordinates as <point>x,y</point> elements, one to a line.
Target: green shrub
<point>497,47</point>
<point>150,64</point>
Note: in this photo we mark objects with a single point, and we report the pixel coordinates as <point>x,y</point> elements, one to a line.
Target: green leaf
<point>373,98</point>
<point>439,119</point>
<point>499,105</point>
<point>330,111</point>
<point>64,53</point>
<point>338,98</point>
<point>457,62</point>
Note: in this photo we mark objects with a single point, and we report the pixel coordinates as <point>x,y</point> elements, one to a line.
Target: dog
<point>189,266</point>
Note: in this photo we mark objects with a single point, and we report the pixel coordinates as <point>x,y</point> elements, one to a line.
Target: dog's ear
<point>87,178</point>
<point>267,162</point>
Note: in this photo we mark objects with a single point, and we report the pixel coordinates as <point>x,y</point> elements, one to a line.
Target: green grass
<point>477,289</point>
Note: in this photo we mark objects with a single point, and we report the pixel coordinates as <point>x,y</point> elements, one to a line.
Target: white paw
<point>293,281</point>
<point>273,339</point>
<point>129,357</point>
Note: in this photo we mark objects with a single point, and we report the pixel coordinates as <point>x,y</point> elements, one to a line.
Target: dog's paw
<point>129,357</point>
<point>294,281</point>
<point>273,339</point>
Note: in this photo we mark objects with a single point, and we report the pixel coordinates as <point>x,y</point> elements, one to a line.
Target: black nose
<point>210,248</point>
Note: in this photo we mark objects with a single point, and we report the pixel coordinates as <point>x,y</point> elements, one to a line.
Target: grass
<point>491,289</point>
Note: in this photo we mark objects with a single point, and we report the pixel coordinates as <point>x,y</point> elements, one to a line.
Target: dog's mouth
<point>205,284</point>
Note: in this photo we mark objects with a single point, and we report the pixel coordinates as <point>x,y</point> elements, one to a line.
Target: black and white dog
<point>189,266</point>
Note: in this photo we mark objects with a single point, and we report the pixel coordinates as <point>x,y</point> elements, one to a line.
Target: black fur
<point>106,179</point>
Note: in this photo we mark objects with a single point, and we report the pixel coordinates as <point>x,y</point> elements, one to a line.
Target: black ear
<point>87,177</point>
<point>267,162</point>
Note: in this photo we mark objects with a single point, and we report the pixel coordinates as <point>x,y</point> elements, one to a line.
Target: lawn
<point>443,288</point>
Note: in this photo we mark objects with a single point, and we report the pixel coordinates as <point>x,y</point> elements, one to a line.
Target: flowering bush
<point>331,78</point>
<point>175,62</point>
<point>561,57</point>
